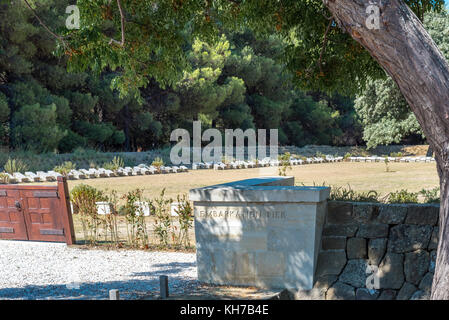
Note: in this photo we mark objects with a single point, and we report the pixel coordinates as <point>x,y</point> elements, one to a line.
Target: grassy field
<point>360,176</point>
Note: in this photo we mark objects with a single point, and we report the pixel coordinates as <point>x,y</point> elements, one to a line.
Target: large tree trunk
<point>408,54</point>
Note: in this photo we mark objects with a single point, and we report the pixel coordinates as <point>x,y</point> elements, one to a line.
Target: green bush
<point>347,194</point>
<point>284,164</point>
<point>15,165</point>
<point>4,178</point>
<point>403,196</point>
<point>84,199</point>
<point>65,168</point>
<point>115,164</point>
<point>158,163</point>
<point>431,196</point>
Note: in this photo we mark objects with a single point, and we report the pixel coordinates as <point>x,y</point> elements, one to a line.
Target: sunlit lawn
<point>360,176</point>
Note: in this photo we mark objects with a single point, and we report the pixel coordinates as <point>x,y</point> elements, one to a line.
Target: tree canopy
<point>386,116</point>
<point>145,38</point>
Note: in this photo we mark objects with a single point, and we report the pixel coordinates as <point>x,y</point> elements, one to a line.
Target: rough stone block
<point>319,289</point>
<point>339,212</point>
<point>340,291</point>
<point>333,243</point>
<point>422,214</point>
<point>356,248</point>
<point>340,230</point>
<point>391,214</point>
<point>375,230</point>
<point>331,262</point>
<point>387,294</point>
<point>420,295</point>
<point>366,294</point>
<point>406,291</point>
<point>376,250</point>
<point>391,271</point>
<point>406,238</point>
<point>416,265</point>
<point>426,283</point>
<point>433,244</point>
<point>433,261</point>
<point>355,273</point>
<point>363,212</point>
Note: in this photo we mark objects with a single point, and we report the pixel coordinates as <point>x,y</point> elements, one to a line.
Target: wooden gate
<point>39,213</point>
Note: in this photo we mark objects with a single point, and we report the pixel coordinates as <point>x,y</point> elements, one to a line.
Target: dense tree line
<point>236,82</point>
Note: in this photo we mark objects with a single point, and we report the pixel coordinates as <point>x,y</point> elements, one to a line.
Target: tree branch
<point>57,36</point>
<point>122,23</point>
<point>320,61</point>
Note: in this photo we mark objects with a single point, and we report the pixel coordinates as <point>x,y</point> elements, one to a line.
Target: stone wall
<point>397,243</point>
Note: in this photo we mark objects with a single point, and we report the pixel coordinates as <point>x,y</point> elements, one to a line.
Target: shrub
<point>396,154</point>
<point>115,164</point>
<point>65,168</point>
<point>15,165</point>
<point>347,194</point>
<point>158,163</point>
<point>84,199</point>
<point>347,156</point>
<point>136,227</point>
<point>284,164</point>
<point>403,196</point>
<point>431,196</point>
<point>4,178</point>
<point>185,219</point>
<point>163,223</point>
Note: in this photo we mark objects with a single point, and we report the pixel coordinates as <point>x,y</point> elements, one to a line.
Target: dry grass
<point>360,176</point>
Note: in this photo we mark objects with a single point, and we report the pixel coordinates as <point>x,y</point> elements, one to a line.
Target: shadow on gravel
<point>132,289</point>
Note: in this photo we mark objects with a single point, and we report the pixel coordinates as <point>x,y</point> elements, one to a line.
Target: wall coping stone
<point>263,189</point>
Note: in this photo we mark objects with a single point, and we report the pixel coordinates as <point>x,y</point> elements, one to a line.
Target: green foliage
<point>396,154</point>
<point>35,128</point>
<point>385,114</point>
<point>403,196</point>
<point>224,61</point>
<point>65,168</point>
<point>136,226</point>
<point>163,223</point>
<point>431,196</point>
<point>348,194</point>
<point>84,199</point>
<point>284,164</point>
<point>158,163</point>
<point>4,178</point>
<point>15,165</point>
<point>185,220</point>
<point>115,164</point>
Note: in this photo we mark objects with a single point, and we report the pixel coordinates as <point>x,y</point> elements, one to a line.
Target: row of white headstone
<point>266,162</point>
<point>392,159</point>
<point>41,176</point>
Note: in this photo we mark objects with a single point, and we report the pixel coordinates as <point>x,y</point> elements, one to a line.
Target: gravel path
<point>36,270</point>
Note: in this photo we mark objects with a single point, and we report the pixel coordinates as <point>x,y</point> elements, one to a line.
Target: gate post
<point>63,191</point>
